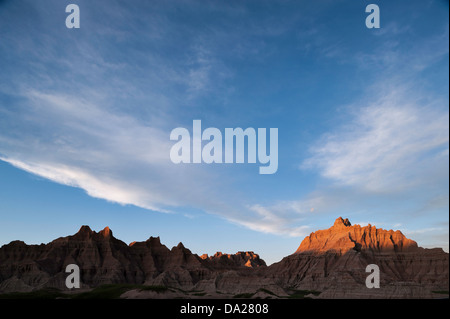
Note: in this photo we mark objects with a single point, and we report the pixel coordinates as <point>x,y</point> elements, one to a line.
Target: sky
<point>86,115</point>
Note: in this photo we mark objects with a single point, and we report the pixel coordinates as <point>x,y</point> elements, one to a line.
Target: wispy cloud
<point>391,145</point>
<point>109,154</point>
<point>94,110</point>
<point>273,221</point>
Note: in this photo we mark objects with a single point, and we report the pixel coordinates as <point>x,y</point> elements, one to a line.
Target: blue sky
<point>86,114</point>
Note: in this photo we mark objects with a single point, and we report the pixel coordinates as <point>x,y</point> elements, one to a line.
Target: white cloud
<point>92,121</point>
<point>391,145</point>
<point>265,220</point>
<point>121,192</point>
<point>111,155</point>
<point>288,218</point>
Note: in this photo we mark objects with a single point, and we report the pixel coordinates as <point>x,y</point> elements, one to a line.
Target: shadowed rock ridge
<point>104,259</point>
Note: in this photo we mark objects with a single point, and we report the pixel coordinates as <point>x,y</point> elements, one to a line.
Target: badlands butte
<point>329,263</point>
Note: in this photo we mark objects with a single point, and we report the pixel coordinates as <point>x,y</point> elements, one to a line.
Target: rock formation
<point>332,262</point>
<point>241,258</point>
<point>103,259</point>
<point>342,237</point>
